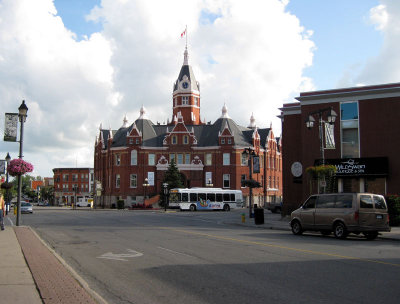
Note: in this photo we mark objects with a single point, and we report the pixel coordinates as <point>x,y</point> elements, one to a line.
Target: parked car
<point>274,207</point>
<point>26,207</point>
<point>342,213</point>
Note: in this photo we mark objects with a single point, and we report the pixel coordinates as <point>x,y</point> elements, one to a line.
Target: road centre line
<point>281,247</point>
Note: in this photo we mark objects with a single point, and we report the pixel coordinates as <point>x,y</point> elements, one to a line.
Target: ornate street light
<point>145,185</point>
<point>165,185</point>
<point>331,118</point>
<point>249,153</point>
<point>8,158</point>
<point>22,114</point>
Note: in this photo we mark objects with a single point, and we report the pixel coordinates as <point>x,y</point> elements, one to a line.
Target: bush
<point>393,202</point>
<point>120,204</point>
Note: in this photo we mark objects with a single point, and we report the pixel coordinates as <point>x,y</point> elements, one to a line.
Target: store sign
<point>369,166</point>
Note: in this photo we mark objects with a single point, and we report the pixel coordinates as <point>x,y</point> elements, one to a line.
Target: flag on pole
<point>183,33</point>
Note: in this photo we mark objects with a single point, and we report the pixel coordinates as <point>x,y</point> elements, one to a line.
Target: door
<point>307,214</point>
<point>367,211</point>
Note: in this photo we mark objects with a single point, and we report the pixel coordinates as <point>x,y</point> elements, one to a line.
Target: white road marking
<point>120,256</point>
<point>11,222</point>
<point>173,251</point>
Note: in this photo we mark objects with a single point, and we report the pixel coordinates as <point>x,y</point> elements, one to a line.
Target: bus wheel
<point>192,208</point>
<point>226,207</point>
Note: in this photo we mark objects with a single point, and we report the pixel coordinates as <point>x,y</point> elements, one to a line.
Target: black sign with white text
<point>368,166</point>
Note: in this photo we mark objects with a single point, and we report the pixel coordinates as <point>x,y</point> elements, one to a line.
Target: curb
<point>76,276</point>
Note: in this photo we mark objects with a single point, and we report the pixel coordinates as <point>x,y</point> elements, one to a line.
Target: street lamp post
<point>22,114</point>
<point>250,153</point>
<point>331,118</point>
<point>8,158</point>
<point>165,185</point>
<point>145,185</point>
<point>75,188</point>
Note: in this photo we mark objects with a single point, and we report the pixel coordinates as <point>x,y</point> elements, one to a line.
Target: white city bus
<point>205,199</point>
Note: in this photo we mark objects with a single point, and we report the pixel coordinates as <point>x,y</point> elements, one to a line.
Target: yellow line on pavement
<point>281,247</point>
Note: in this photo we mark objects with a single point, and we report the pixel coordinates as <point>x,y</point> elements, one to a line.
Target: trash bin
<point>258,216</point>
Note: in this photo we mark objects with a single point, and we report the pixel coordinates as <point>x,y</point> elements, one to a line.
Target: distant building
<point>366,141</point>
<point>48,181</point>
<point>205,153</point>
<point>36,185</point>
<point>72,182</point>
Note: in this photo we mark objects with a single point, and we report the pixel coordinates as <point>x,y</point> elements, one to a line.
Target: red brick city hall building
<point>363,142</point>
<point>205,153</point>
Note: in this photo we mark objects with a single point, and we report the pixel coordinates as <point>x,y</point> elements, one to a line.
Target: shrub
<point>393,202</point>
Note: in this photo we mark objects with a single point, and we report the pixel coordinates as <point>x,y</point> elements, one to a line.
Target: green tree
<point>173,178</point>
<point>47,193</point>
<point>26,185</point>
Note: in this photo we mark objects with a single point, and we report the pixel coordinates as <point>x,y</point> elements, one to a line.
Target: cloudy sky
<point>79,64</point>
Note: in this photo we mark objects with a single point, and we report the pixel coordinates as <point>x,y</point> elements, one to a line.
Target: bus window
<point>227,197</point>
<point>202,196</point>
<point>211,197</point>
<point>175,197</point>
<point>219,197</point>
<point>193,197</point>
<point>185,197</point>
<point>233,197</point>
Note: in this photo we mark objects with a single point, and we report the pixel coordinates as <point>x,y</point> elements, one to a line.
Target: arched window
<point>133,158</point>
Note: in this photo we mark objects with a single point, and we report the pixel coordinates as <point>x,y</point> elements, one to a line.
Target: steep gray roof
<point>206,135</point>
<point>187,70</point>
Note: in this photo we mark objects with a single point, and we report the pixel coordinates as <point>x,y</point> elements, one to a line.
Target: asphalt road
<point>184,257</point>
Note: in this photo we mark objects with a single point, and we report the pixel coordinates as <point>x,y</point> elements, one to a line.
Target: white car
<point>26,207</point>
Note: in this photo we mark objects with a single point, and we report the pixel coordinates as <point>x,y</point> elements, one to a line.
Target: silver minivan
<point>342,213</point>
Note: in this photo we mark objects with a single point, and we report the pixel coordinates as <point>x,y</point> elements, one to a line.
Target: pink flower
<point>19,167</point>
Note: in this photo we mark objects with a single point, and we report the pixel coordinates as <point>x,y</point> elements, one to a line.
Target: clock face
<point>297,169</point>
<point>185,85</point>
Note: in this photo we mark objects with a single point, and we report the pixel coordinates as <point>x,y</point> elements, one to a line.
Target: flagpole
<point>186,35</point>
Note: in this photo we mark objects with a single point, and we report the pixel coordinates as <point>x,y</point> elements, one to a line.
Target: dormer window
<point>174,140</point>
<point>222,141</point>
<point>185,139</point>
<point>229,141</point>
<point>185,100</point>
<point>130,141</point>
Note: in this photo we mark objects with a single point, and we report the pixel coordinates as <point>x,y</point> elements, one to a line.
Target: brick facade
<point>378,109</point>
<point>203,152</point>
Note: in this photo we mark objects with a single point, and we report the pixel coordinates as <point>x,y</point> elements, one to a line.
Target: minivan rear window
<point>366,202</point>
<point>344,201</point>
<point>379,202</point>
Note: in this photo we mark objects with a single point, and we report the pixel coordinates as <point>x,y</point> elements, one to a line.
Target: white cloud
<point>379,16</point>
<point>249,54</point>
<point>384,68</point>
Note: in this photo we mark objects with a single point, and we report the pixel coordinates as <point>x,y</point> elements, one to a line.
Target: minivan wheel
<point>296,228</point>
<point>192,208</point>
<point>371,235</point>
<point>340,231</point>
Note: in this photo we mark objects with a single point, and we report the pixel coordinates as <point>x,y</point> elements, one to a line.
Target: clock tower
<point>186,95</point>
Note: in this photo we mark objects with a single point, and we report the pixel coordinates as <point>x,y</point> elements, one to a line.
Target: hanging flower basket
<point>19,167</point>
<point>6,185</point>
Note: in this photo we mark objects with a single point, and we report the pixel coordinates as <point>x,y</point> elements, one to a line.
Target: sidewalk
<point>276,222</point>
<point>16,282</point>
<point>46,280</point>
